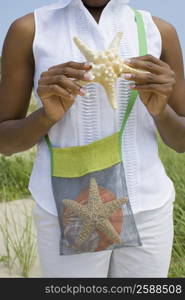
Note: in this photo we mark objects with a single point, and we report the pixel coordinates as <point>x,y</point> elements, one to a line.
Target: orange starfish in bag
<point>99,212</point>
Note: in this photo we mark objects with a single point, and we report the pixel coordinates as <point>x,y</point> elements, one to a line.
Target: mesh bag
<point>94,210</point>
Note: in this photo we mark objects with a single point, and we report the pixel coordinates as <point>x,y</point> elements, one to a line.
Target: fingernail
<point>88,76</point>
<point>88,64</point>
<point>82,92</point>
<point>127,61</point>
<point>126,76</point>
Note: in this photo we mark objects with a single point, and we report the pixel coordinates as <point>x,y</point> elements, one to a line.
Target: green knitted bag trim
<point>80,160</point>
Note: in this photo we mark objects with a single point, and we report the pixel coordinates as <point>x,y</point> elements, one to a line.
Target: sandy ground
<point>17,213</point>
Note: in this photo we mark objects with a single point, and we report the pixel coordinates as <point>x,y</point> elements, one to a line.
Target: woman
<point>38,53</point>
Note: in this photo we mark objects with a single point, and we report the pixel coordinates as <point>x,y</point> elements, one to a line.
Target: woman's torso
<point>91,117</point>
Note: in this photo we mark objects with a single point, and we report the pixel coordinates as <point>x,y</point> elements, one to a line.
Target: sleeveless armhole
<point>35,50</point>
<point>35,35</point>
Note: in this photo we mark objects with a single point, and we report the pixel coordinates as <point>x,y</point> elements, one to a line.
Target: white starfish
<point>95,214</point>
<point>107,66</point>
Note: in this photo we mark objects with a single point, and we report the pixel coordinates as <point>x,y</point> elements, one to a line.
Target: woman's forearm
<point>171,127</point>
<point>20,135</point>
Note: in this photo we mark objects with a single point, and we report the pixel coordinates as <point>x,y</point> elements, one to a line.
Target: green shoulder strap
<point>142,51</point>
<point>48,142</point>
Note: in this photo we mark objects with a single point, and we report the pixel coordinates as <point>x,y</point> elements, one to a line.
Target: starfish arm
<point>106,227</point>
<point>87,52</point>
<point>94,196</point>
<point>78,209</point>
<point>112,206</point>
<point>88,228</point>
<point>115,44</point>
<point>111,93</point>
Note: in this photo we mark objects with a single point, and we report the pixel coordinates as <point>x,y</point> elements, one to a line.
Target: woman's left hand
<point>155,87</point>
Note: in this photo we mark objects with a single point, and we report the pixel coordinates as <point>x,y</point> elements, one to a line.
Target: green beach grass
<point>19,240</point>
<point>175,167</point>
<point>14,176</point>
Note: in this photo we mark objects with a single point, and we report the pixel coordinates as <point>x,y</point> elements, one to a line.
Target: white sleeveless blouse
<point>91,117</point>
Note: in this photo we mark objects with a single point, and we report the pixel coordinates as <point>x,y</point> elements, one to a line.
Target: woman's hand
<point>155,87</point>
<point>57,89</point>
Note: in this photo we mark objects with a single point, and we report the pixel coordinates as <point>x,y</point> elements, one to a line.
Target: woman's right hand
<point>57,89</point>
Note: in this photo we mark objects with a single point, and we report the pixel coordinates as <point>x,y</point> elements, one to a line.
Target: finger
<point>46,91</point>
<point>145,65</point>
<point>68,72</point>
<point>145,78</point>
<point>152,59</point>
<point>75,65</point>
<point>76,74</point>
<point>161,89</point>
<point>63,82</point>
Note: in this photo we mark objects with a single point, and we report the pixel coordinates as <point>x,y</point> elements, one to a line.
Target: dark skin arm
<point>18,133</point>
<point>174,114</point>
<point>163,92</point>
<point>57,92</point>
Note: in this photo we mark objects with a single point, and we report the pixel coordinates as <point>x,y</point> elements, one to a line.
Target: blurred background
<point>15,170</point>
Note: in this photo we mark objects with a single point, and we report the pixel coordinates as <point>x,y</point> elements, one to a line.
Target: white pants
<point>152,259</point>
